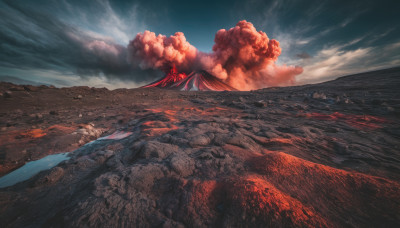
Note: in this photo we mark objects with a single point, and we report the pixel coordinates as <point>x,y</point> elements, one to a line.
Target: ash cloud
<point>35,40</point>
<point>242,56</point>
<point>245,58</point>
<point>160,52</point>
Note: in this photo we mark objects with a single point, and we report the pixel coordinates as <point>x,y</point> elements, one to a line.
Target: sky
<point>70,43</point>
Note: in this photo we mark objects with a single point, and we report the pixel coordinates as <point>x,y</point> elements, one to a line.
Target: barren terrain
<point>324,155</point>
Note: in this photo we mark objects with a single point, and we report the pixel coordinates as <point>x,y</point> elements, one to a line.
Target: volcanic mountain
<point>172,76</point>
<point>201,80</point>
<point>195,81</point>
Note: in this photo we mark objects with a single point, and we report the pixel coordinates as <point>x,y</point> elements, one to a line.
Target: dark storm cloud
<point>304,55</point>
<point>35,40</point>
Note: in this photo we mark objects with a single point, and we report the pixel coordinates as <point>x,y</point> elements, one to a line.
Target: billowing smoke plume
<point>161,52</point>
<point>242,57</point>
<point>245,59</point>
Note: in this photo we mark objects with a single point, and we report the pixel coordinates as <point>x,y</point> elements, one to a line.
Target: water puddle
<point>32,168</point>
<point>117,135</point>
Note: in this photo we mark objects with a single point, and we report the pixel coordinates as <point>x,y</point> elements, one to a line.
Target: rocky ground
<point>324,155</point>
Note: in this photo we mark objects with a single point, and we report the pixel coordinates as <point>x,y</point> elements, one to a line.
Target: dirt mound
<point>324,187</point>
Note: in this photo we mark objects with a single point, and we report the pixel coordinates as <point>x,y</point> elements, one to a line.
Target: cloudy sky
<point>67,43</point>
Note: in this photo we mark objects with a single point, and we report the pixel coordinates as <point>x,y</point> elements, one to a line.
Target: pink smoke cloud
<point>161,52</point>
<point>242,57</point>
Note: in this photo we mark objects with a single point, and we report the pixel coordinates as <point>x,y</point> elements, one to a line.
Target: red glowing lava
<point>157,128</point>
<point>172,77</point>
<point>256,197</point>
<point>358,121</point>
<point>322,187</point>
<point>35,133</point>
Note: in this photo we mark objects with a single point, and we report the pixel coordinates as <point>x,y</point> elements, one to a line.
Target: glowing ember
<point>35,133</point>
<point>254,196</point>
<point>156,128</point>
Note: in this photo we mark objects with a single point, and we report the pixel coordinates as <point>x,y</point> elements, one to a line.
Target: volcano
<point>199,80</point>
<point>172,76</point>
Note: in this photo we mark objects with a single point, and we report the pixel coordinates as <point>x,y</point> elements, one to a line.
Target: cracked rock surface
<point>324,155</point>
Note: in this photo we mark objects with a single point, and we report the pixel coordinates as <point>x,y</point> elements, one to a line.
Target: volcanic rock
<point>7,94</point>
<point>260,104</point>
<point>220,163</point>
<point>317,95</point>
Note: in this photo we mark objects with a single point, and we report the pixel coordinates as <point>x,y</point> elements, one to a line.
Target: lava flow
<point>172,76</point>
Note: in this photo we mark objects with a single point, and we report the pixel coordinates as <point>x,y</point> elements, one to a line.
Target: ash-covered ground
<point>324,155</point>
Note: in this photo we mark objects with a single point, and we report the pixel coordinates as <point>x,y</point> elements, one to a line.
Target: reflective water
<point>117,135</point>
<point>32,168</point>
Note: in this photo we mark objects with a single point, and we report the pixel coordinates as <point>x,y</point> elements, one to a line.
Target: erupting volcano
<point>196,81</point>
<point>201,80</point>
<point>241,57</point>
<point>169,79</point>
